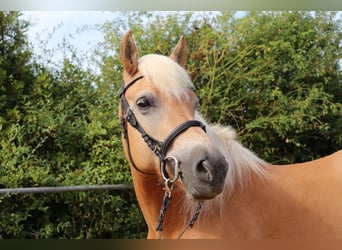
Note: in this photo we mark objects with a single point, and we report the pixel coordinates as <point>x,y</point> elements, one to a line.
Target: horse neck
<point>150,192</point>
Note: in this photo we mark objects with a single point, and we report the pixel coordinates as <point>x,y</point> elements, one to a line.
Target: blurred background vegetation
<point>273,76</point>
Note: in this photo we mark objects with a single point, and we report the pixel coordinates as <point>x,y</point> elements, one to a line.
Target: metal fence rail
<point>61,189</point>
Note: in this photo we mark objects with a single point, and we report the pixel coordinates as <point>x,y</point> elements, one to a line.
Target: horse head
<point>165,135</point>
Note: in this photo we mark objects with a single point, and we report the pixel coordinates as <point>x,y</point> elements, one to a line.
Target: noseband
<point>159,148</point>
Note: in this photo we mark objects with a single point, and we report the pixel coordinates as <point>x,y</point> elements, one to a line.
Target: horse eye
<point>143,103</point>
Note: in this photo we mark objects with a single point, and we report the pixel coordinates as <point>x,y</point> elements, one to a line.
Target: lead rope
<point>193,219</point>
<point>165,204</point>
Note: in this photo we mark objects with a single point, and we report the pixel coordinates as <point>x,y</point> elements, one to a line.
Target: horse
<point>196,180</point>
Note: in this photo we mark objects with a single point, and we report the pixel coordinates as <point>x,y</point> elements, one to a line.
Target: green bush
<point>57,129</point>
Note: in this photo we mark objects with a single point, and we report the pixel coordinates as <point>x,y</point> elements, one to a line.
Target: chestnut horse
<point>194,180</point>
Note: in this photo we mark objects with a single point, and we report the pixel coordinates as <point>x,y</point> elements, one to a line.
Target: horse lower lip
<point>200,197</point>
<point>198,194</point>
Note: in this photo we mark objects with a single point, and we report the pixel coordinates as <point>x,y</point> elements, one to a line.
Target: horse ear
<point>128,54</point>
<point>179,52</point>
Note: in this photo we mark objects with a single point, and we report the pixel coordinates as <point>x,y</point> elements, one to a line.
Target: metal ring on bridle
<point>176,169</point>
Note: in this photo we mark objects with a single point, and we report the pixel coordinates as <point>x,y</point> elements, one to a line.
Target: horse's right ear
<point>179,52</point>
<point>128,54</point>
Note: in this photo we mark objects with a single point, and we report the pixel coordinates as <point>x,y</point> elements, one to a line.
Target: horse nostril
<point>203,171</point>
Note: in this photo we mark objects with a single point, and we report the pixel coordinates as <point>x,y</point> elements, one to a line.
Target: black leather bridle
<point>159,148</point>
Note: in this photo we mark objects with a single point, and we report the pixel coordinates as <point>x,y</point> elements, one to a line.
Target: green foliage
<point>290,88</point>
<point>57,129</point>
<point>274,76</point>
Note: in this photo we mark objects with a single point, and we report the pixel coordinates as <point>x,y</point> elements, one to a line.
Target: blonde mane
<point>168,76</point>
<point>243,165</point>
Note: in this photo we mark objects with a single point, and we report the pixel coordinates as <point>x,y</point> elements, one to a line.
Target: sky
<point>70,21</point>
<point>67,25</point>
<point>55,26</point>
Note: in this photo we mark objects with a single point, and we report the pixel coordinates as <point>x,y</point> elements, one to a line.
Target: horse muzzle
<point>202,172</point>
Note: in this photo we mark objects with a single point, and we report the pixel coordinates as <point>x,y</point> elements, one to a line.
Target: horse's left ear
<point>179,52</point>
<point>129,54</point>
